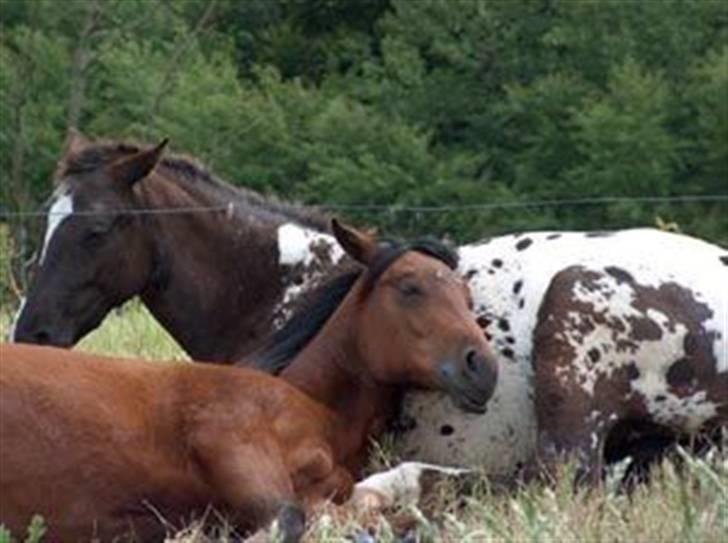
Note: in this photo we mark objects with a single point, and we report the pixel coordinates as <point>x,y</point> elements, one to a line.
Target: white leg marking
<point>401,483</point>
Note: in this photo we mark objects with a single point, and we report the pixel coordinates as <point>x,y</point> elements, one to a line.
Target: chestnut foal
<point>103,448</point>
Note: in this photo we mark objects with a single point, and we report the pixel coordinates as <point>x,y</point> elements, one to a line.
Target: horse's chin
<point>466,397</point>
<point>469,404</point>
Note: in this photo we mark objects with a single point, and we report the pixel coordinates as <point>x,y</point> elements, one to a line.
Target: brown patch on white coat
<point>609,350</point>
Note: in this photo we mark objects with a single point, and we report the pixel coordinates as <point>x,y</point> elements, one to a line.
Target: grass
<point>691,507</point>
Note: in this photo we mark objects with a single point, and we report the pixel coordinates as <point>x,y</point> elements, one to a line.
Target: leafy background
<point>391,103</point>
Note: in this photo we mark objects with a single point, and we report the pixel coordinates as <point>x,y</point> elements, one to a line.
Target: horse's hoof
<point>363,536</point>
<point>291,523</point>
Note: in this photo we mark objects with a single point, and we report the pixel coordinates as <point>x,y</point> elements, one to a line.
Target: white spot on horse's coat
<point>13,326</point>
<point>292,244</point>
<point>61,209</point>
<point>296,244</point>
<point>401,483</point>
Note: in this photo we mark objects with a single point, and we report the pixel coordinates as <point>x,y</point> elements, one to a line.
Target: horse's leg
<point>252,480</point>
<point>336,487</point>
<point>584,447</point>
<point>316,478</point>
<point>406,482</point>
<point>571,427</point>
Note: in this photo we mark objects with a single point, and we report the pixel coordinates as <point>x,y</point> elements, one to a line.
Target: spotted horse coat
<point>632,323</point>
<point>630,347</point>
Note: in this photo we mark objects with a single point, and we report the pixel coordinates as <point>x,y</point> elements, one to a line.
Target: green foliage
<point>389,103</point>
<point>36,530</point>
<point>7,293</point>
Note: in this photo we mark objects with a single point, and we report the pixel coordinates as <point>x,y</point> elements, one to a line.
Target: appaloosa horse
<point>273,254</point>
<point>105,448</point>
<point>631,335</point>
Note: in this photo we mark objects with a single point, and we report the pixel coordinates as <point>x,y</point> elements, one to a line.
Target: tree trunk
<point>79,66</point>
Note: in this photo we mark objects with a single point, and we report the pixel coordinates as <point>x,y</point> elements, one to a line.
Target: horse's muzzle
<point>471,381</point>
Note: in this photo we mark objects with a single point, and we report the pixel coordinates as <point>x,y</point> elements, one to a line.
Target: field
<point>692,507</point>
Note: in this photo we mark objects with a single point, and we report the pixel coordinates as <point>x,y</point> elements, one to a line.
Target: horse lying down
<point>609,344</point>
<point>104,447</point>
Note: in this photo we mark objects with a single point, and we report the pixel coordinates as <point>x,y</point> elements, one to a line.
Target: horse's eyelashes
<point>410,289</point>
<point>93,239</point>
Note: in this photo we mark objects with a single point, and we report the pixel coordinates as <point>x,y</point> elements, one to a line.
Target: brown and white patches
<point>406,484</point>
<point>505,436</point>
<point>305,257</point>
<point>609,348</point>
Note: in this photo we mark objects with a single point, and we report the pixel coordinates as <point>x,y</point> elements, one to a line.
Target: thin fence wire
<point>396,208</point>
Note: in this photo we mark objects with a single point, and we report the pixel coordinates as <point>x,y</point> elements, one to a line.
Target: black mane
<point>282,346</point>
<point>189,170</point>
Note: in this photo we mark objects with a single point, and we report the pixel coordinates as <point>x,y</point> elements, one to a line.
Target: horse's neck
<point>216,280</point>
<point>330,370</point>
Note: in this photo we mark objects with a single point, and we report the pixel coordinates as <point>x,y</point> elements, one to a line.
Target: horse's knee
<point>311,464</point>
<point>584,448</point>
<point>337,487</point>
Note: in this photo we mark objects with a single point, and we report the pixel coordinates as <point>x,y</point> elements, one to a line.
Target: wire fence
<point>394,208</point>
<point>20,251</point>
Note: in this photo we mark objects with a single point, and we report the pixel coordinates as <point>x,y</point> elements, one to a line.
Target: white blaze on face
<point>61,209</point>
<point>13,326</point>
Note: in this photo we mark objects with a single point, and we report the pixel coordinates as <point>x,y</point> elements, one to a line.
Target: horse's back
<point>70,424</point>
<point>96,441</point>
<point>68,385</point>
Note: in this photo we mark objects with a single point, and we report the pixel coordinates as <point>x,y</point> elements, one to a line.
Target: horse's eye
<point>93,238</point>
<point>410,289</point>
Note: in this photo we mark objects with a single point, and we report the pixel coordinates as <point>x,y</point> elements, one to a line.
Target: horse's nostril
<point>42,337</point>
<point>471,360</point>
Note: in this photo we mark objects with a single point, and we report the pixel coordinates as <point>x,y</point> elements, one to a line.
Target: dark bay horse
<point>103,448</point>
<point>215,280</point>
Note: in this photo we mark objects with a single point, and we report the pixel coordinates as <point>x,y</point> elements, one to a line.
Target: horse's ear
<point>73,145</point>
<point>75,142</point>
<point>136,167</point>
<point>361,246</point>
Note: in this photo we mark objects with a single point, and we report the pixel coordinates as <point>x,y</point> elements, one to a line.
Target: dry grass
<point>691,507</point>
